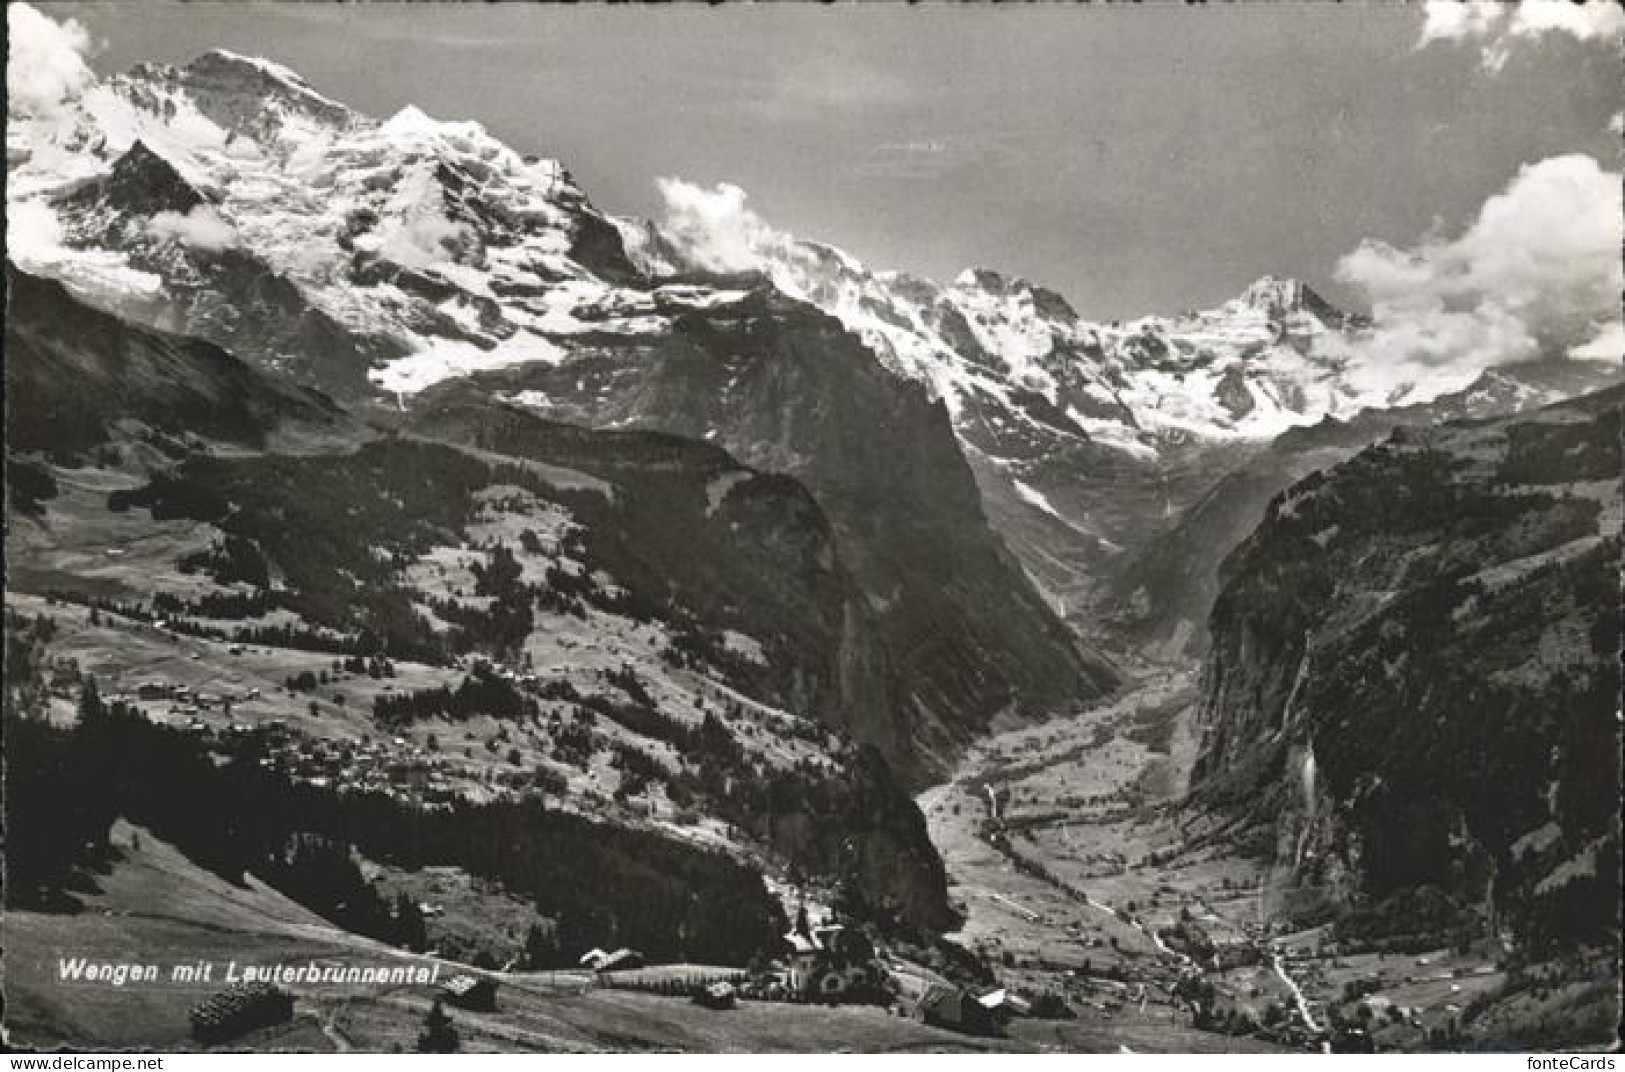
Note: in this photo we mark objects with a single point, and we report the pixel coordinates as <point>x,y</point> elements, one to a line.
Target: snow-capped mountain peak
<point>229,198</point>
<point>1274,294</point>
<point>1286,300</point>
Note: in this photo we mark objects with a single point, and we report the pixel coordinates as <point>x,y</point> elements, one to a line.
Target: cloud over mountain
<point>45,64</point>
<point>201,228</point>
<point>715,228</point>
<point>1536,274</point>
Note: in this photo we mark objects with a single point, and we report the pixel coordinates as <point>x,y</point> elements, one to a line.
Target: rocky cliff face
<point>1414,674</point>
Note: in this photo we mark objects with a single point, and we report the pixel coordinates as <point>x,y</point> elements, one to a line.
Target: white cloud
<point>1498,26</point>
<point>422,240</point>
<point>201,228</point>
<point>1452,20</point>
<point>33,232</point>
<point>1537,274</point>
<point>45,63</point>
<point>1609,345</point>
<point>715,228</point>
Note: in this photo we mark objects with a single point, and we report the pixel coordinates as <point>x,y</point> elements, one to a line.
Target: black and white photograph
<point>865,528</point>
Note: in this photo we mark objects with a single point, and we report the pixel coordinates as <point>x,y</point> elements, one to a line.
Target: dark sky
<point>1139,158</point>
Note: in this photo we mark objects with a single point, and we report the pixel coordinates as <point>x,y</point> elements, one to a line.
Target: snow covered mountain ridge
<point>1251,368</point>
<point>435,250</point>
<point>1269,359</point>
<point>182,195</point>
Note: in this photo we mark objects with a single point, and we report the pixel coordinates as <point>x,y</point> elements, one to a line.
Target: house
<point>830,962</point>
<point>620,960</point>
<point>1004,1005</point>
<point>950,1007</point>
<point>718,995</point>
<point>237,1010</point>
<point>470,992</point>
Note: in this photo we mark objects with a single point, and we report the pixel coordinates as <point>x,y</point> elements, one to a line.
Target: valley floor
<point>1076,873</point>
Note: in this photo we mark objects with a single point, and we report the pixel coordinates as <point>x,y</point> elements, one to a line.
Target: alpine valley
<point>409,562</point>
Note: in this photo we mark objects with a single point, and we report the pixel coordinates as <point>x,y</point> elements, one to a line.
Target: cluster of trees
<point>482,692</point>
<point>1208,1013</point>
<point>305,638</point>
<point>439,1035</point>
<point>373,666</point>
<point>232,559</point>
<point>28,485</point>
<point>323,875</point>
<point>1555,453</point>
<point>254,604</point>
<point>501,626</point>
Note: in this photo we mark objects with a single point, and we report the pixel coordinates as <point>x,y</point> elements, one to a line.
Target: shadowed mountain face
<point>1414,676</point>
<point>72,371</point>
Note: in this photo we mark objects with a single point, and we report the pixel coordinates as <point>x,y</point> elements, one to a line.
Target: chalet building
<point>1004,1005</point>
<point>718,995</point>
<point>830,963</point>
<point>239,1009</point>
<point>477,993</point>
<point>956,1009</point>
<point>621,960</point>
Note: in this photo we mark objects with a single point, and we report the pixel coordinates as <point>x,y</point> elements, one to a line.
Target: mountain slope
<point>629,623</point>
<point>1414,677</point>
<point>964,639</point>
<point>73,371</point>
